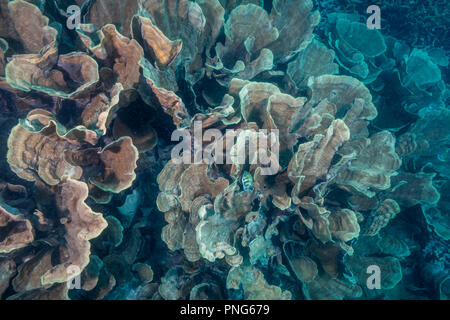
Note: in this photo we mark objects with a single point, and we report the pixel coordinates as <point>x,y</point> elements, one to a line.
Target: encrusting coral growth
<point>97,108</point>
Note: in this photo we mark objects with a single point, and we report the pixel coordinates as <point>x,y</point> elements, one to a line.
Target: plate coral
<point>94,204</point>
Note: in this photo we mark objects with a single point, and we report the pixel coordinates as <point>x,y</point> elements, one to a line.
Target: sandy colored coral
<point>387,210</point>
<point>356,47</point>
<point>118,163</point>
<point>358,152</point>
<point>39,138</point>
<point>315,60</point>
<point>295,21</point>
<point>325,288</point>
<point>3,49</point>
<point>161,49</point>
<point>17,231</point>
<point>63,75</point>
<point>103,12</point>
<point>195,182</point>
<point>7,271</point>
<point>185,20</point>
<point>77,224</point>
<point>373,168</point>
<point>412,189</point>
<point>305,269</point>
<point>81,225</point>
<point>254,284</point>
<point>24,22</point>
<point>244,40</point>
<point>118,52</point>
<point>312,159</point>
<point>186,191</point>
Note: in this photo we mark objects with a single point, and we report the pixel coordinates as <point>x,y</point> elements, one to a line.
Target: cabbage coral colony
<point>88,188</point>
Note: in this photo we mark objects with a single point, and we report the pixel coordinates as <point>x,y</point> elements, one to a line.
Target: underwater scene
<point>224,150</point>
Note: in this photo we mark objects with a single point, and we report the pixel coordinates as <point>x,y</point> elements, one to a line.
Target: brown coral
<point>373,168</point>
<point>63,75</point>
<point>153,57</point>
<point>24,22</point>
<point>255,285</point>
<point>104,12</point>
<point>315,60</point>
<point>81,225</point>
<point>295,21</point>
<point>117,52</point>
<point>16,231</point>
<point>185,192</point>
<point>162,50</point>
<point>40,147</point>
<point>118,162</point>
<point>195,182</point>
<point>29,151</point>
<point>77,224</point>
<point>325,288</point>
<point>387,210</point>
<point>312,159</point>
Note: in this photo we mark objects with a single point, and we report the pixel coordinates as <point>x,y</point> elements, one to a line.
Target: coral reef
<point>327,153</point>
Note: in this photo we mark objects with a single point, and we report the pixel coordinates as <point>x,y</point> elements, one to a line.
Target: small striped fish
<point>247,181</point>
